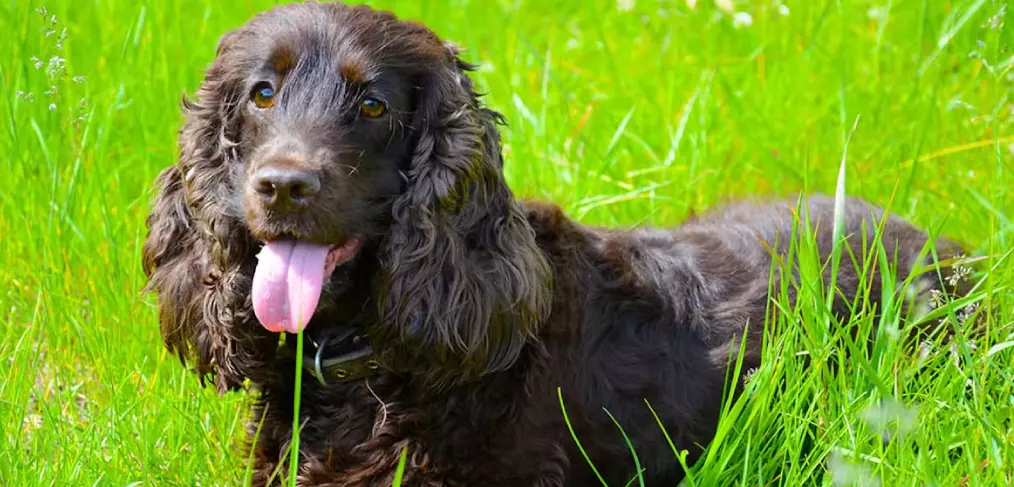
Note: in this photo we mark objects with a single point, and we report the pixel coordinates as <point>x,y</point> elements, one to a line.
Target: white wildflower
<point>967,313</point>
<point>742,19</point>
<point>726,5</point>
<point>878,14</point>
<point>844,472</point>
<point>960,273</point>
<point>56,66</point>
<point>936,299</point>
<point>748,375</point>
<point>890,417</point>
<point>995,22</point>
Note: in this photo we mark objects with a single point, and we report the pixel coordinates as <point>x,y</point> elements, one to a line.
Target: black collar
<point>342,357</point>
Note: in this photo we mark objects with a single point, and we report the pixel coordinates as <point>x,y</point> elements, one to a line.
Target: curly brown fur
<point>478,305</point>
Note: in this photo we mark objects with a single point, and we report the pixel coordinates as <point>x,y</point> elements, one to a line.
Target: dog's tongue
<point>287,284</point>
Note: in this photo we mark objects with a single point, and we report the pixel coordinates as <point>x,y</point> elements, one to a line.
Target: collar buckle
<point>357,361</point>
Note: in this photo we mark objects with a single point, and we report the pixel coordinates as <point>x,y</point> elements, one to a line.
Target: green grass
<point>624,117</point>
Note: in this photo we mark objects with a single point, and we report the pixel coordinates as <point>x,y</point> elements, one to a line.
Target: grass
<point>630,112</point>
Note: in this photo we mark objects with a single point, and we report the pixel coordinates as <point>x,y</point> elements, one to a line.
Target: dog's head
<point>326,137</point>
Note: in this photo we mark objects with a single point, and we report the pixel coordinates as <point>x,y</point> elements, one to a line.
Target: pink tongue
<point>287,284</point>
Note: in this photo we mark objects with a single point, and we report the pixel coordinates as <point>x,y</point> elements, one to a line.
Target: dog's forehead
<point>357,43</point>
<point>323,55</point>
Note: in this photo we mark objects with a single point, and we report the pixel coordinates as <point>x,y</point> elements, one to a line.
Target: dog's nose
<point>284,188</point>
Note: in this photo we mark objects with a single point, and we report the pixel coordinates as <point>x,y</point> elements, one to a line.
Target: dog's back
<point>665,310</point>
<point>755,232</point>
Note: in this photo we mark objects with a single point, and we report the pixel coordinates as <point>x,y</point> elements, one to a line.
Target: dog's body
<point>478,307</point>
<point>648,315</point>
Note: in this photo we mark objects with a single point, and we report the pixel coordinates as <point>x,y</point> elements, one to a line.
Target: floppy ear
<point>195,251</point>
<point>465,283</point>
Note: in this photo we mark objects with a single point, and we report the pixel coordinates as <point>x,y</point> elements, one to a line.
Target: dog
<point>339,177</point>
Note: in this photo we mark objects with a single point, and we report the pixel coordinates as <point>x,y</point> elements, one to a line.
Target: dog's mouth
<point>289,278</point>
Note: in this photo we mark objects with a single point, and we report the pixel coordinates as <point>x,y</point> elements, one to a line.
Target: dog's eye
<point>263,95</point>
<point>372,107</point>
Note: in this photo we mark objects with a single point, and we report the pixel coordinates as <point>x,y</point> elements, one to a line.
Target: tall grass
<point>625,112</point>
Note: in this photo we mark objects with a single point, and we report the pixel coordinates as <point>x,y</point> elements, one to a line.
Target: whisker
<point>352,169</point>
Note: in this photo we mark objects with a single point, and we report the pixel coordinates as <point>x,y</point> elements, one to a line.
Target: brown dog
<point>339,176</point>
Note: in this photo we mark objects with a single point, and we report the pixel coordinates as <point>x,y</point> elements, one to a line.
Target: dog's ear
<point>195,247</point>
<point>465,284</point>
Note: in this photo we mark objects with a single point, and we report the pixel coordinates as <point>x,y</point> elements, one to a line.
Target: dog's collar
<point>354,360</point>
